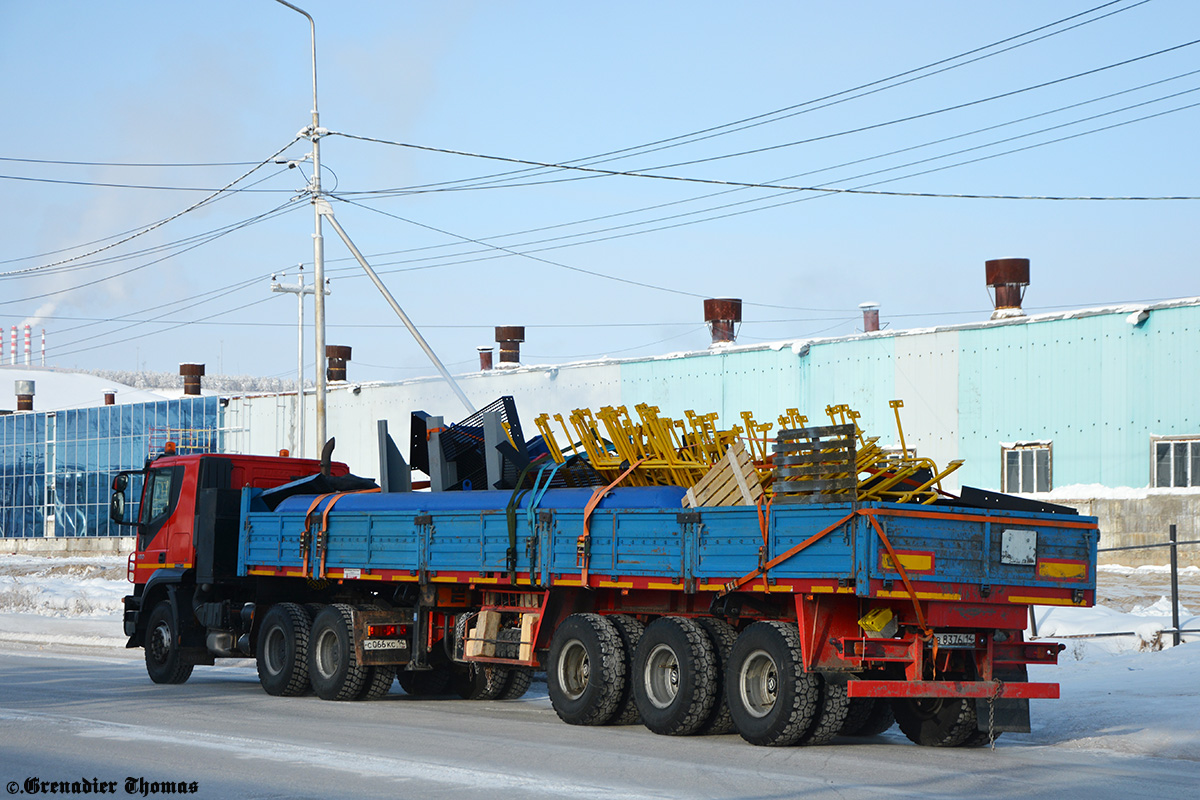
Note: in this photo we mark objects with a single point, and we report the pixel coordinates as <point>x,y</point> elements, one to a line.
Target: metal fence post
<point>1175,587</point>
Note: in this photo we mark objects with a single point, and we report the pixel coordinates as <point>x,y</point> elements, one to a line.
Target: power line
<point>107,185</point>
<point>125,163</point>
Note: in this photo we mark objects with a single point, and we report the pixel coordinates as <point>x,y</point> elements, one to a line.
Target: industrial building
<point>1092,408</point>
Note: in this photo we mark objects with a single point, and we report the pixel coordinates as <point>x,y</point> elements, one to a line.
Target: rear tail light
<point>385,631</point>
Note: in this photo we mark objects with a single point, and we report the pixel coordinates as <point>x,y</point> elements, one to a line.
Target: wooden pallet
<point>815,465</point>
<point>732,481</point>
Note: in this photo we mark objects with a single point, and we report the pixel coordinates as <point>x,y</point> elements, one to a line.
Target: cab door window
<point>159,497</point>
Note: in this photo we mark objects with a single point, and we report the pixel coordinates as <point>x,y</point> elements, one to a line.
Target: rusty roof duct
<point>510,337</point>
<point>336,356</point>
<point>1007,277</point>
<point>110,397</point>
<point>870,312</point>
<point>485,357</point>
<point>192,373</point>
<point>24,391</point>
<point>723,315</point>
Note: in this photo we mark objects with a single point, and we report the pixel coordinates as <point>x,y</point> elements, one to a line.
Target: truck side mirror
<point>120,482</point>
<point>116,508</point>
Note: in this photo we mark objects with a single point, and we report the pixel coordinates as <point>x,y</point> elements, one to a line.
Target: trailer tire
<point>868,716</point>
<point>424,683</point>
<point>630,630</point>
<point>333,666</point>
<point>586,671</point>
<point>517,684</point>
<point>378,682</point>
<point>978,739</point>
<point>479,681</point>
<point>936,721</point>
<point>675,676</point>
<point>282,652</point>
<point>723,636</point>
<point>772,699</point>
<point>165,662</point>
<point>831,713</point>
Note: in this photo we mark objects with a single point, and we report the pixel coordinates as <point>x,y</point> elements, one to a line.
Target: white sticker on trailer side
<point>1018,547</point>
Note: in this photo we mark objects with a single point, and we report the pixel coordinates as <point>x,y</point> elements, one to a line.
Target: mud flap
<point>1012,714</point>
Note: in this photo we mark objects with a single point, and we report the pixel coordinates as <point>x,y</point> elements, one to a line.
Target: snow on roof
<point>56,390</point>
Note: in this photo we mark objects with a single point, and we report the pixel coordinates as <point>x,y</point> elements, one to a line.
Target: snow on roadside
<point>77,586</point>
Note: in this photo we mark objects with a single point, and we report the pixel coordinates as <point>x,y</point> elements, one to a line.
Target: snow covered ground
<point>1131,693</point>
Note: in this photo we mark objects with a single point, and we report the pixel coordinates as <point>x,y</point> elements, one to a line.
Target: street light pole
<point>314,133</point>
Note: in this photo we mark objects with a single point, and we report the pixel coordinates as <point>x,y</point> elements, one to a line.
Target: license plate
<point>385,644</point>
<point>961,640</point>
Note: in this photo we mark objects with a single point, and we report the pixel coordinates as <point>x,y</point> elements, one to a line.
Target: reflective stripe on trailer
<point>984,689</point>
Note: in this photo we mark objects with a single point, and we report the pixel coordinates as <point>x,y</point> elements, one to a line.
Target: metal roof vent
<point>723,315</point>
<point>1007,277</point>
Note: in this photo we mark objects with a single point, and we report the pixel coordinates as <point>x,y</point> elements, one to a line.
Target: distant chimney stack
<point>192,373</point>
<point>14,346</point>
<point>1007,277</point>
<point>485,357</point>
<point>510,337</point>
<point>336,356</point>
<point>24,391</point>
<point>110,397</point>
<point>870,312</point>
<point>723,315</point>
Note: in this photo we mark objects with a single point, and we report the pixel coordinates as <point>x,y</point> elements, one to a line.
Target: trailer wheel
<point>164,661</point>
<point>936,721</point>
<point>333,666</point>
<point>586,671</point>
<point>630,630</point>
<point>378,682</point>
<point>282,652</point>
<point>772,699</point>
<point>424,683</point>
<point>723,636</point>
<point>479,681</point>
<point>517,684</point>
<point>675,676</point>
<point>868,716</point>
<point>831,713</point>
<point>978,738</point>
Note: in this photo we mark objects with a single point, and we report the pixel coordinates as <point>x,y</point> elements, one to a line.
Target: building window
<point>1026,467</point>
<point>1176,462</point>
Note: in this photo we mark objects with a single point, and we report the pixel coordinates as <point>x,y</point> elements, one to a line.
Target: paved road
<point>75,716</point>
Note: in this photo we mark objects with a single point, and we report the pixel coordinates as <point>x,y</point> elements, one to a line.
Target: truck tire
<point>585,675</point>
<point>378,682</point>
<point>868,716</point>
<point>771,698</point>
<point>480,681</point>
<point>936,721</point>
<point>333,666</point>
<point>831,713</point>
<point>675,676</point>
<point>282,652</point>
<point>424,683</point>
<point>517,684</point>
<point>630,630</point>
<point>165,663</point>
<point>723,636</point>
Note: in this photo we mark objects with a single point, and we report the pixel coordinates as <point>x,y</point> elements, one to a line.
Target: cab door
<point>160,499</point>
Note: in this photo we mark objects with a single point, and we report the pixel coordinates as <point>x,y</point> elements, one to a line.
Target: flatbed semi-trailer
<point>785,623</point>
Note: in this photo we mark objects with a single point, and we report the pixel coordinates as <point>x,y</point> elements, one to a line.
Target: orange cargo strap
<point>305,538</point>
<point>583,545</point>
<point>733,586</point>
<point>764,525</point>
<point>325,523</point>
<point>912,593</point>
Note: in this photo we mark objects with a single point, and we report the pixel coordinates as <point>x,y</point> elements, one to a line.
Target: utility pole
<point>298,289</point>
<point>314,132</point>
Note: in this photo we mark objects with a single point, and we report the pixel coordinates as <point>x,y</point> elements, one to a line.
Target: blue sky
<point>229,82</point>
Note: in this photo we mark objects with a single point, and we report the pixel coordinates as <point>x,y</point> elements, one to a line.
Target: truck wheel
<point>868,716</point>
<point>164,661</point>
<point>282,653</point>
<point>517,684</point>
<point>586,671</point>
<point>630,630</point>
<point>675,676</point>
<point>936,721</point>
<point>480,681</point>
<point>378,682</point>
<point>423,683</point>
<point>831,713</point>
<point>723,636</point>
<point>771,697</point>
<point>333,666</point>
